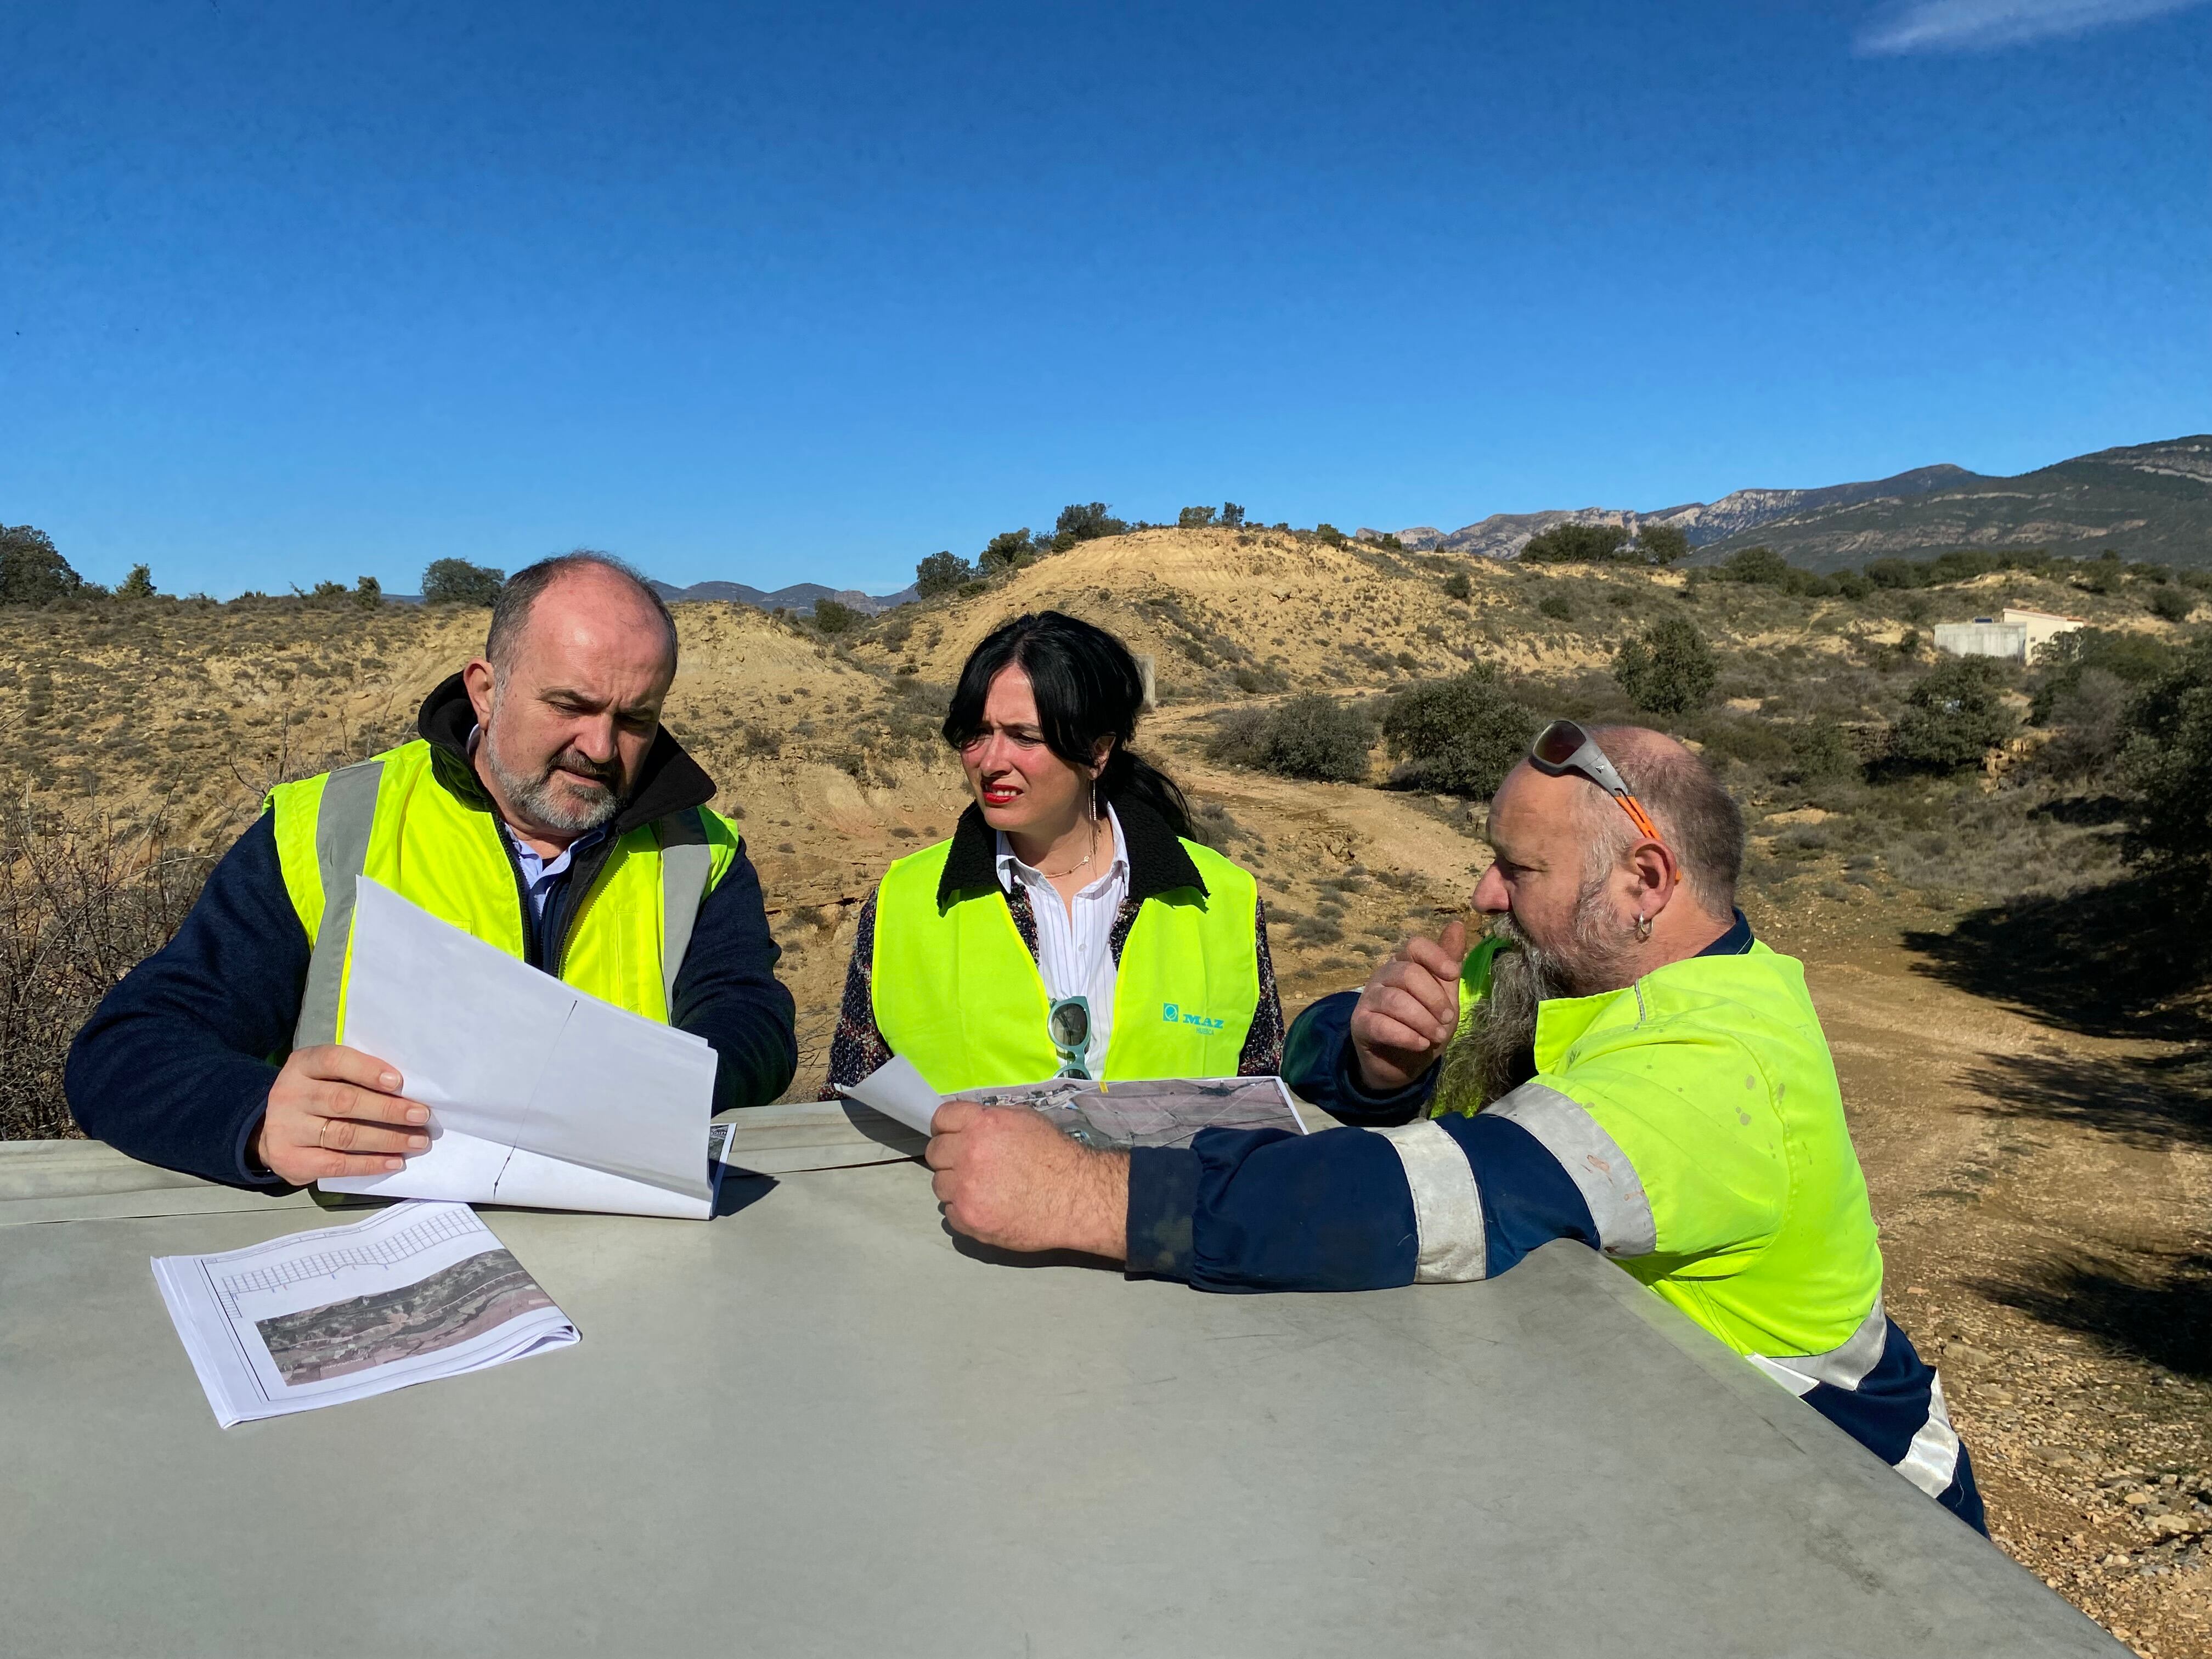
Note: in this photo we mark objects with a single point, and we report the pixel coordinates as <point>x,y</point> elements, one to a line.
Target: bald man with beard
<point>1620,1062</point>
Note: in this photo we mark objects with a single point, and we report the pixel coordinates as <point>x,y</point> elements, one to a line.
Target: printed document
<point>416,1292</point>
<point>539,1094</point>
<point>1149,1112</point>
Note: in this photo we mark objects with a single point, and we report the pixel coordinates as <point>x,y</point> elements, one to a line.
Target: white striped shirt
<point>1075,952</point>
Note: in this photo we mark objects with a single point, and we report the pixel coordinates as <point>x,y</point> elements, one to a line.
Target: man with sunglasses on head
<point>1620,1062</point>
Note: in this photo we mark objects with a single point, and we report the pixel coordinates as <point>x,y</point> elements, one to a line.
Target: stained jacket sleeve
<point>174,1066</point>
<point>727,992</point>
<point>1319,1065</point>
<point>1450,1198</point>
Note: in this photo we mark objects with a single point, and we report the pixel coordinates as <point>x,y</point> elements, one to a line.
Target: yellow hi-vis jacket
<point>957,991</point>
<point>414,819</point>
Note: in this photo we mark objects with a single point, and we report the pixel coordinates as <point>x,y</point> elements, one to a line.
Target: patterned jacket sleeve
<point>859,1048</point>
<point>1263,1044</point>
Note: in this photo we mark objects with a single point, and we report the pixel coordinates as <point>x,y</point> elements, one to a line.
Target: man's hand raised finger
<point>1410,1031</point>
<point>1440,997</point>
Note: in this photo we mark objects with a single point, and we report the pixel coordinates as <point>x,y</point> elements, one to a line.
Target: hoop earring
<point>1643,927</point>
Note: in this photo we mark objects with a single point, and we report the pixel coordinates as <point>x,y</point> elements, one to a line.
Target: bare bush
<point>81,904</point>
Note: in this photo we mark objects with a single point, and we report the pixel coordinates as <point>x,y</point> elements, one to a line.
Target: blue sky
<point>802,294</point>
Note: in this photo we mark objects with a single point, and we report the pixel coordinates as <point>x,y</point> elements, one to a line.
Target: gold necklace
<point>1081,862</point>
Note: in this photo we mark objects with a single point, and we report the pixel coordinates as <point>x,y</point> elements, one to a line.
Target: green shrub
<point>2167,763</point>
<point>1670,670</point>
<point>2171,605</point>
<point>1311,737</point>
<point>1853,586</point>
<point>1194,518</point>
<point>943,572</point>
<point>1577,544</point>
<point>2091,715</point>
<point>1081,521</point>
<point>833,618</point>
<point>32,570</point>
<point>1457,737</point>
<point>456,581</point>
<point>1762,567</point>
<point>1818,750</point>
<point>1661,544</point>
<point>1953,717</point>
<point>368,593</point>
<point>2134,659</point>
<point>1557,606</point>
<point>139,584</point>
<point>1011,550</point>
<point>1458,587</point>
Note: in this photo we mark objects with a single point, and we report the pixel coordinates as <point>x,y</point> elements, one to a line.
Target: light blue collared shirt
<point>541,875</point>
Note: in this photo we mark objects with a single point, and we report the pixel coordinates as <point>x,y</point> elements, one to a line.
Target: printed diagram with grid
<point>433,1230</point>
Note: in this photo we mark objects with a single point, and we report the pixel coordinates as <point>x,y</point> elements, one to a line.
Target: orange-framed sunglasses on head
<point>1563,747</point>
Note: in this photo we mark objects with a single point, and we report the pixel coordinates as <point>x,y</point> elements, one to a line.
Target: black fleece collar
<point>669,781</point>
<point>1157,862</point>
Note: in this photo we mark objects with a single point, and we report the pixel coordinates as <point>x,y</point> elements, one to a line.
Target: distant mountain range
<point>800,596</point>
<point>2144,501</point>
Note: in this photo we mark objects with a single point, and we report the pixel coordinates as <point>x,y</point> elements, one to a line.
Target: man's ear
<point>477,681</point>
<point>1658,875</point>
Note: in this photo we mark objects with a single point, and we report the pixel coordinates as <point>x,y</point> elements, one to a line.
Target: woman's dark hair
<point>1087,688</point>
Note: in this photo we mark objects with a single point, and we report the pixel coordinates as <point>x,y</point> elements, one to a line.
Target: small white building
<point>2042,626</point>
<point>1984,636</point>
<point>2014,633</point>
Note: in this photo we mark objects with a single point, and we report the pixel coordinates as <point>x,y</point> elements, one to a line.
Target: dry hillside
<point>2039,1163</point>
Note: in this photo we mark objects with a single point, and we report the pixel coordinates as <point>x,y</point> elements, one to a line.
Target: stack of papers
<point>539,1095</point>
<point>1148,1112</point>
<point>417,1292</point>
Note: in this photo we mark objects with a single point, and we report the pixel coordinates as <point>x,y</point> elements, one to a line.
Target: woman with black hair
<point>1073,926</point>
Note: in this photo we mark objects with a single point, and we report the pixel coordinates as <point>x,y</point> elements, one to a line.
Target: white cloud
<point>1985,25</point>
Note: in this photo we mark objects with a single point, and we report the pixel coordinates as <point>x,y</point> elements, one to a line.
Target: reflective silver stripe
<point>1594,1162</point>
<point>1931,1463</point>
<point>686,861</point>
<point>342,823</point>
<point>1843,1367</point>
<point>1447,1208</point>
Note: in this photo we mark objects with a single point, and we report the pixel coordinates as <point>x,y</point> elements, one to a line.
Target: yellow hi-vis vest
<point>391,819</point>
<point>957,991</point>
<point>1698,1112</point>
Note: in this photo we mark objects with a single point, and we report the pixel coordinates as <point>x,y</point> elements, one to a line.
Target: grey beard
<point>534,796</point>
<point>1496,1053</point>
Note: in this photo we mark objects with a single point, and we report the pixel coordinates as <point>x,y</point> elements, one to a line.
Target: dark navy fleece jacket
<point>174,1067</point>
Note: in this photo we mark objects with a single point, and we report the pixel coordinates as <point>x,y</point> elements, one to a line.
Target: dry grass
<point>79,906</point>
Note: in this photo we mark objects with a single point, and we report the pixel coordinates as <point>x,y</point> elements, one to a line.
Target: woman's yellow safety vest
<point>390,819</point>
<point>957,993</point>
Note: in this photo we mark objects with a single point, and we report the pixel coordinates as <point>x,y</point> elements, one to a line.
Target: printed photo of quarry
<point>450,1307</point>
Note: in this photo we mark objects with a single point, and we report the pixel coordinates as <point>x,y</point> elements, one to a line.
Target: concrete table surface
<point>818,1425</point>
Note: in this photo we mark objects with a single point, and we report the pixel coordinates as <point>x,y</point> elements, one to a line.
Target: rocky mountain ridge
<point>2150,501</point>
<point>800,597</point>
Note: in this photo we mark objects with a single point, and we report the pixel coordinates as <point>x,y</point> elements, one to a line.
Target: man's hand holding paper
<point>335,1111</point>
